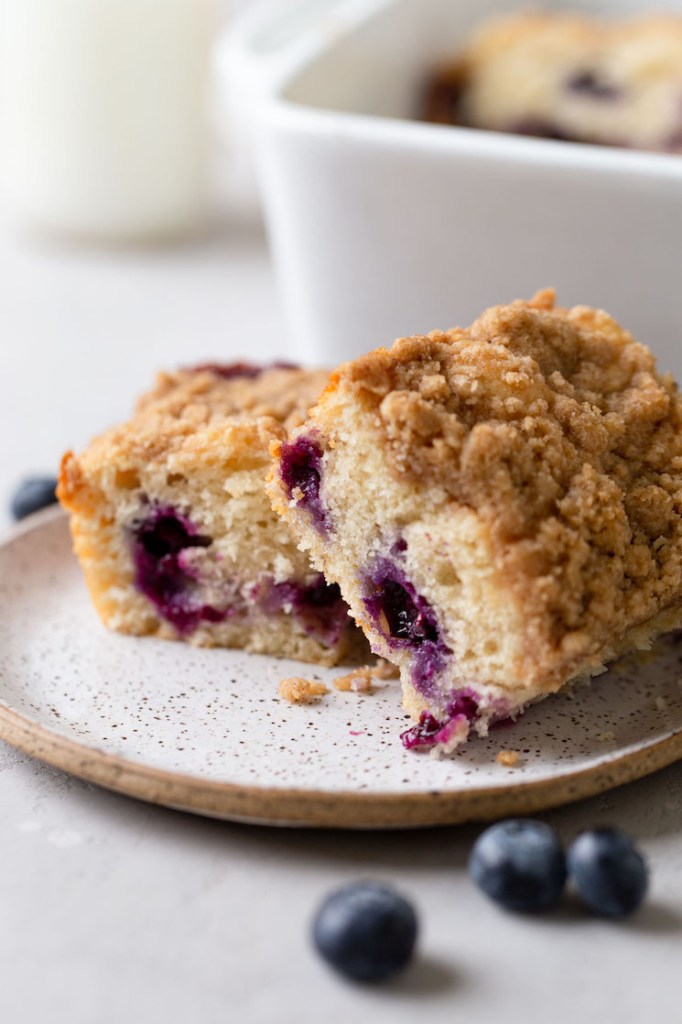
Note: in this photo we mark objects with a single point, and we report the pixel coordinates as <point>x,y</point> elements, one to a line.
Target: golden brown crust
<point>190,414</point>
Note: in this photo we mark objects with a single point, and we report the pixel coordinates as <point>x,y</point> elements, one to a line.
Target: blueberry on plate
<point>365,931</point>
<point>33,493</point>
<point>520,865</point>
<point>608,871</point>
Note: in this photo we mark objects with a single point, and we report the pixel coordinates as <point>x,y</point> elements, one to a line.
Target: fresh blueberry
<point>520,865</point>
<point>365,931</point>
<point>609,872</point>
<point>33,493</point>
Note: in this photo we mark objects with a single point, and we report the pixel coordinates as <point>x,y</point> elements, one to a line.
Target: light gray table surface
<point>112,910</point>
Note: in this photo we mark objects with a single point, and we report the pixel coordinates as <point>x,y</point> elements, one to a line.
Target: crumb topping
<point>202,395</point>
<point>195,413</point>
<point>301,691</point>
<point>555,428</point>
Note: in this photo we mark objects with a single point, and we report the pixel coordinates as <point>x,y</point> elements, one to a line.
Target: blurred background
<point>162,263</point>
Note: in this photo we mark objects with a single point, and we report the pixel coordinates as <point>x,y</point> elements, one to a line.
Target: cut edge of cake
<point>175,534</point>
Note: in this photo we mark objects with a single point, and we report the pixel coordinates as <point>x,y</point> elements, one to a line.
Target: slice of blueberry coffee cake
<point>565,76</point>
<point>500,506</point>
<point>175,532</point>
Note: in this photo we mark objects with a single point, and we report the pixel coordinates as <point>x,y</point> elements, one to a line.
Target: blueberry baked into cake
<point>567,76</point>
<point>500,506</point>
<point>173,528</point>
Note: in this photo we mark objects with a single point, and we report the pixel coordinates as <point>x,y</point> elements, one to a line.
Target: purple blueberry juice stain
<point>161,541</point>
<point>231,371</point>
<point>317,605</point>
<point>301,473</point>
<point>430,731</point>
<point>407,620</point>
<point>463,708</point>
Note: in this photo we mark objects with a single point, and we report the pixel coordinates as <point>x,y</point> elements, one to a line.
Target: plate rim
<point>311,807</point>
<point>318,808</point>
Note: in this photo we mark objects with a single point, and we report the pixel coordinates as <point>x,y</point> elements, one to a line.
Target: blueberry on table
<point>609,872</point>
<point>33,493</point>
<point>520,865</point>
<point>365,931</point>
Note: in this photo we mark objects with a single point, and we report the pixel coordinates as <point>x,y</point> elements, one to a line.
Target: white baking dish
<point>383,226</point>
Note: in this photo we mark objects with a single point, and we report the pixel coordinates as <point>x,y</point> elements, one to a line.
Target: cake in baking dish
<point>500,506</point>
<point>568,76</point>
<point>174,530</point>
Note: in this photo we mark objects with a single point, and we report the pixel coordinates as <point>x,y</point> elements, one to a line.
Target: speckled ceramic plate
<point>205,730</point>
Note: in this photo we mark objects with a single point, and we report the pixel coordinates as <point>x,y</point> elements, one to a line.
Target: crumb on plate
<point>359,680</point>
<point>301,691</point>
<point>508,758</point>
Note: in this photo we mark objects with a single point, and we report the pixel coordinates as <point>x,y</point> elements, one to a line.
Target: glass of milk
<point>104,115</point>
